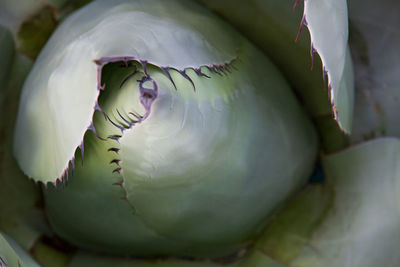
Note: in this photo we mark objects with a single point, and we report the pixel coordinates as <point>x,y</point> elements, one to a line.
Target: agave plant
<point>183,133</point>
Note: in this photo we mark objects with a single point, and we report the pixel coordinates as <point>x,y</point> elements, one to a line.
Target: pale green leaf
<point>59,96</point>
<point>350,221</point>
<point>273,26</point>
<point>327,22</point>
<point>375,39</point>
<point>11,254</point>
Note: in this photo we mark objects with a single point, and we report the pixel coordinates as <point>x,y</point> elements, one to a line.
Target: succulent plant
<point>187,133</point>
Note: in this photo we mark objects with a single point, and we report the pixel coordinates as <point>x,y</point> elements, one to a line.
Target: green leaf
<point>272,26</point>
<point>83,259</point>
<point>357,223</point>
<point>374,40</point>
<point>7,56</point>
<point>259,259</point>
<point>172,184</point>
<point>291,230</point>
<point>53,120</point>
<point>327,21</point>
<point>21,217</point>
<point>35,31</point>
<point>48,256</point>
<point>14,13</point>
<point>11,254</point>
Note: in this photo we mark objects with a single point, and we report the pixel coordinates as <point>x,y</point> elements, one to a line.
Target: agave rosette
<point>190,128</point>
<point>156,129</point>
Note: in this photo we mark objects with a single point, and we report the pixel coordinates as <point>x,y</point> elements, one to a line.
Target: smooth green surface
<point>375,40</point>
<point>11,254</point>
<point>352,220</point>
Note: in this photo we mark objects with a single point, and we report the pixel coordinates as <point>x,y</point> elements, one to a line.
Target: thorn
<point>232,66</point>
<point>225,67</point>
<point>144,65</point>
<point>128,77</point>
<point>324,73</point>
<point>200,73</point>
<point>113,149</point>
<point>119,184</point>
<point>220,68</point>
<point>312,51</point>
<point>117,170</point>
<point>166,71</point>
<point>98,108</point>
<point>66,177</point>
<point>115,137</point>
<point>82,150</point>
<point>101,87</point>
<point>303,22</point>
<point>116,161</point>
<point>125,120</point>
<point>116,125</point>
<point>127,63</point>
<point>213,69</point>
<point>61,178</point>
<point>72,165</point>
<point>183,73</point>
<point>295,4</point>
<point>138,117</point>
<point>91,128</point>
